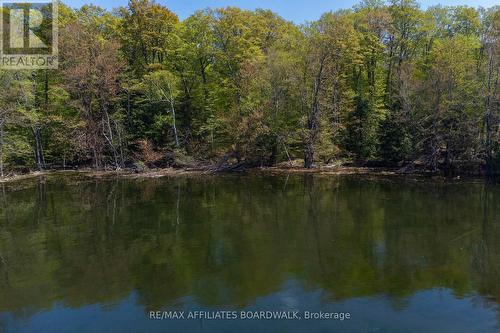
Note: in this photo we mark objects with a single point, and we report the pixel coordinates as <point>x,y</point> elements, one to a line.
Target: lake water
<point>399,255</point>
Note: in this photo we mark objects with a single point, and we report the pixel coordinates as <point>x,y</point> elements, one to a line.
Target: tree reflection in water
<point>225,241</point>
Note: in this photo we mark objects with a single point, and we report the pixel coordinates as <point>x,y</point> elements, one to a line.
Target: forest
<point>380,84</point>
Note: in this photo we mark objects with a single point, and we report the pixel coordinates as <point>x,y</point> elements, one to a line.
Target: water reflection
<point>67,244</point>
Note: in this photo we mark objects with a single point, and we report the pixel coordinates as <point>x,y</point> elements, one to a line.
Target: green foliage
<point>395,141</point>
<point>391,83</point>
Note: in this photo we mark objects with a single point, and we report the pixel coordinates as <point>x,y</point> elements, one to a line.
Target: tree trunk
<point>488,118</point>
<point>96,158</point>
<point>120,144</point>
<point>309,157</point>
<point>204,81</point>
<point>109,137</point>
<point>205,97</point>
<point>172,108</point>
<point>38,150</point>
<point>313,119</point>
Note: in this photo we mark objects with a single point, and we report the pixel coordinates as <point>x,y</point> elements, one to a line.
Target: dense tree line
<point>380,83</point>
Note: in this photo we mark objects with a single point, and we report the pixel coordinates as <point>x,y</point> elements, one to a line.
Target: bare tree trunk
<point>91,132</point>
<point>42,155</point>
<point>313,119</point>
<point>172,108</point>
<point>96,158</point>
<point>286,151</point>
<point>120,144</point>
<point>434,141</point>
<point>205,97</point>
<point>109,138</point>
<point>491,87</point>
<point>38,150</point>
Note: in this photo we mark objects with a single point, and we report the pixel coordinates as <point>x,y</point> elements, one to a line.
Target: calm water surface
<point>86,255</point>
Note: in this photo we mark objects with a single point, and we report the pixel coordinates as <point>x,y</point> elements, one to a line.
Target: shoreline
<point>175,172</point>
